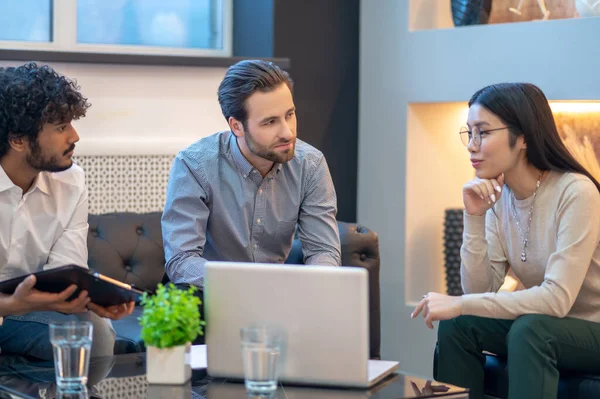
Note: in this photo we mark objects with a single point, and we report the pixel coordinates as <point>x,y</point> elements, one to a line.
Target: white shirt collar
<point>5,182</point>
<point>40,182</point>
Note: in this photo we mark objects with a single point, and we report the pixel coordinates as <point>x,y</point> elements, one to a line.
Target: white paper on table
<point>199,357</point>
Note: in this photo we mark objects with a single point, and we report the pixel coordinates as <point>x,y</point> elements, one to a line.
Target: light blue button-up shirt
<point>219,207</point>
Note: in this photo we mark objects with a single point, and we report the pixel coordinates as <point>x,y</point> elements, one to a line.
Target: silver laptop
<point>323,311</point>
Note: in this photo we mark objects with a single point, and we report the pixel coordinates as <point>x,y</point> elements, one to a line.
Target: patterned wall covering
<point>126,183</point>
<point>138,387</point>
<point>581,124</point>
<point>581,133</point>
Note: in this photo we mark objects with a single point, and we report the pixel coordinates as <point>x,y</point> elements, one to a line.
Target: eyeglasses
<point>475,134</point>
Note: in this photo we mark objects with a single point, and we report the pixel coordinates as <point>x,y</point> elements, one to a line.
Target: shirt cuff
<point>470,304</point>
<point>474,225</point>
<point>322,260</point>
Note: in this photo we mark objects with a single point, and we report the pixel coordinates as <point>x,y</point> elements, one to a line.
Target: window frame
<point>64,40</point>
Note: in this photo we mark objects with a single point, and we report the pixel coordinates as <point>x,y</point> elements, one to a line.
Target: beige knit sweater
<point>562,271</point>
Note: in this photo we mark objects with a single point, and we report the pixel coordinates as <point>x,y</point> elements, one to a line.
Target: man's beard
<point>37,160</point>
<point>268,154</point>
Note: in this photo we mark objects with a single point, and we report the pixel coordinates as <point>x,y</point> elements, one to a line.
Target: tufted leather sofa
<point>128,247</point>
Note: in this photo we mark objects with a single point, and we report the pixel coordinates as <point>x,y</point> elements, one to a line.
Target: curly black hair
<point>32,95</point>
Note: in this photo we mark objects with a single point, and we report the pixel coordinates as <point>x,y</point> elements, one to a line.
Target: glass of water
<point>72,342</point>
<point>261,347</point>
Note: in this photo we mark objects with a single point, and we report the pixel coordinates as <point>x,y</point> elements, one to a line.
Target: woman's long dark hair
<point>525,110</point>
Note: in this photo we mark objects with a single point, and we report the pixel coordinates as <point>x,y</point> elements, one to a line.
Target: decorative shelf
<point>437,14</point>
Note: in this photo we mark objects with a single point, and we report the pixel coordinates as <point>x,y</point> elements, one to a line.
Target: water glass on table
<point>261,347</point>
<point>72,343</point>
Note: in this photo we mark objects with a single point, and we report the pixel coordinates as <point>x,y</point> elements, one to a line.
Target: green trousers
<point>536,347</point>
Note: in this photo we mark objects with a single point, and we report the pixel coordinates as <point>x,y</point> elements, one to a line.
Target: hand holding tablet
<point>102,290</point>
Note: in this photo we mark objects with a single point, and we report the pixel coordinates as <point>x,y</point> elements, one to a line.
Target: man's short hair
<point>245,78</point>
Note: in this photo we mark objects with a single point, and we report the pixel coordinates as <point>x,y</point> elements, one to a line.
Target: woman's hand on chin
<point>479,195</point>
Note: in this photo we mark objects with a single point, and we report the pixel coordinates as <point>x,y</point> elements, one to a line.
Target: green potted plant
<point>170,323</point>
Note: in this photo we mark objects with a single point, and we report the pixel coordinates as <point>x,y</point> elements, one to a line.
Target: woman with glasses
<point>534,209</point>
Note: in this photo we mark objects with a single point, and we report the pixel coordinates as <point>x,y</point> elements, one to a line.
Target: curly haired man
<point>43,210</point>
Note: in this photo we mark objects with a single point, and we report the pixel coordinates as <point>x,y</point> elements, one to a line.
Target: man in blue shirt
<point>238,195</point>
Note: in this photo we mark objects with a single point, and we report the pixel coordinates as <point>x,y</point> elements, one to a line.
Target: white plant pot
<point>588,8</point>
<point>156,391</point>
<point>171,366</point>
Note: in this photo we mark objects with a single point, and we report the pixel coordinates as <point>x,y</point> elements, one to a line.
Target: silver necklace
<point>525,237</point>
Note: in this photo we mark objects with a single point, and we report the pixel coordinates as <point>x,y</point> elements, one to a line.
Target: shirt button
<point>255,246</point>
<point>258,220</point>
<point>260,192</point>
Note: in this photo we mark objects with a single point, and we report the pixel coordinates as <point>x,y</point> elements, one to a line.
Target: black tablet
<point>102,290</point>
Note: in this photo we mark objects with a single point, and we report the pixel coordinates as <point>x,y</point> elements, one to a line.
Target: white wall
<point>144,109</point>
<point>432,144</point>
<point>408,170</point>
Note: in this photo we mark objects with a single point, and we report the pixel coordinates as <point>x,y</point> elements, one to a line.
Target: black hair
<point>32,95</point>
<point>524,108</point>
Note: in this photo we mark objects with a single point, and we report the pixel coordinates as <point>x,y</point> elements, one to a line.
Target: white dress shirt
<point>47,226</point>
